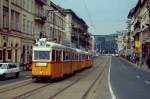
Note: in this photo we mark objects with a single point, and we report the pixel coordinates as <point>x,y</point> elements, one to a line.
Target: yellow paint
<point>41,70</point>
<point>58,69</point>
<point>137,44</point>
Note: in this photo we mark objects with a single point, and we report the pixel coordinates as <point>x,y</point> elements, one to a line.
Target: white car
<point>9,70</point>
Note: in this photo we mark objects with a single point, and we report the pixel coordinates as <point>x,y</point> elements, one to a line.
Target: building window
<point>17,21</point>
<point>24,28</point>
<point>1,54</point>
<point>5,17</point>
<point>12,19</point>
<point>28,27</point>
<point>24,3</point>
<point>28,5</point>
<point>9,54</point>
<point>31,27</point>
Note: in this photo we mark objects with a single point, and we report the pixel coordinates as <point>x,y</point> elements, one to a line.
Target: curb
<point>135,65</point>
<point>128,61</point>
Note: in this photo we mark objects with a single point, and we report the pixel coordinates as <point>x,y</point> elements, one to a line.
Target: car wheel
<point>3,77</point>
<point>17,75</point>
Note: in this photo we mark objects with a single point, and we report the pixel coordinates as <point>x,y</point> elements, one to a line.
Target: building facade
<point>23,22</point>
<point>19,26</point>
<point>139,28</point>
<point>76,31</point>
<point>106,44</point>
<point>55,24</point>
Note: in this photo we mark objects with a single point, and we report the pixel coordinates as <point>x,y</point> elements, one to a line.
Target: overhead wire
<point>89,14</point>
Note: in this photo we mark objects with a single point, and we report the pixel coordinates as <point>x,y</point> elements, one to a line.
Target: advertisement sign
<point>137,44</point>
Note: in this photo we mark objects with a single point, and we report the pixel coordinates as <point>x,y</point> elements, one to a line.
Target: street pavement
<point>128,81</point>
<point>125,79</point>
<point>24,75</point>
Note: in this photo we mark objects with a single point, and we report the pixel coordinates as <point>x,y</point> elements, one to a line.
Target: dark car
<point>28,66</point>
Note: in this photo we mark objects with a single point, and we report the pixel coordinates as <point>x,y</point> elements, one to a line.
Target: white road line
<point>147,82</point>
<point>138,76</point>
<point>109,84</point>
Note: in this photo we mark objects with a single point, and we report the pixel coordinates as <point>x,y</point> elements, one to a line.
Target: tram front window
<point>41,55</point>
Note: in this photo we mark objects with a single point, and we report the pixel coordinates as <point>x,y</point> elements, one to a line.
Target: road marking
<point>109,84</point>
<point>138,76</point>
<point>147,82</point>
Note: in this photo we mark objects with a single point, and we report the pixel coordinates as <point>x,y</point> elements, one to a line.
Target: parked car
<point>28,66</point>
<point>9,70</point>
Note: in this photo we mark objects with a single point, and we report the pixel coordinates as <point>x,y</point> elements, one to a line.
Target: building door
<point>4,55</point>
<point>16,56</point>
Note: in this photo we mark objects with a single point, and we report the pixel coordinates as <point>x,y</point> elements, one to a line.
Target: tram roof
<point>42,43</point>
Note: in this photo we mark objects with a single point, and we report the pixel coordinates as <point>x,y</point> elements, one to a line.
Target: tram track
<point>15,86</point>
<point>24,96</point>
<point>22,90</point>
<point>31,92</point>
<point>84,96</point>
<point>95,81</point>
<point>34,88</point>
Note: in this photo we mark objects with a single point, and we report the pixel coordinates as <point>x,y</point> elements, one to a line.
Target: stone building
<point>23,22</point>
<point>76,31</point>
<point>139,28</point>
<point>19,25</point>
<point>56,24</point>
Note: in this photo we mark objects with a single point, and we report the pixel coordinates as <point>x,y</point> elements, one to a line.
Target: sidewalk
<point>143,66</point>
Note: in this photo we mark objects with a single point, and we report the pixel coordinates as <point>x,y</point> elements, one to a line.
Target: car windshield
<point>3,66</point>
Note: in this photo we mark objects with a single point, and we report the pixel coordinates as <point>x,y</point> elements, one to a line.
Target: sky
<point>102,16</point>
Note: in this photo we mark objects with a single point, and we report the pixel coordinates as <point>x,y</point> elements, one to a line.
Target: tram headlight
<point>41,72</point>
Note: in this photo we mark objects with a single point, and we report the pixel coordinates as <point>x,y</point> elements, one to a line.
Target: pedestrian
<point>148,62</point>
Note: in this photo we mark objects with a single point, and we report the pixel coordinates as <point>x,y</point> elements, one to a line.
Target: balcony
<point>145,40</point>
<point>40,17</point>
<point>42,2</point>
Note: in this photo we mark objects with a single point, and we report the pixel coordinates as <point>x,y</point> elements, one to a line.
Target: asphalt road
<point>129,82</point>
<point>24,75</point>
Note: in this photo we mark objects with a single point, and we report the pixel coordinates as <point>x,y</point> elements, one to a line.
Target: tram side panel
<point>67,67</point>
<point>56,70</point>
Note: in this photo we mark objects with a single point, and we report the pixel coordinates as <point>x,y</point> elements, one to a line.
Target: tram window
<point>71,56</point>
<point>80,57</point>
<point>53,55</point>
<point>75,56</point>
<point>67,56</point>
<point>58,55</point>
<point>64,55</point>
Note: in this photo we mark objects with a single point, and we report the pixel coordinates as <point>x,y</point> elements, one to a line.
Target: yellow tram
<point>51,60</point>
